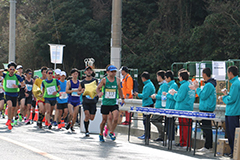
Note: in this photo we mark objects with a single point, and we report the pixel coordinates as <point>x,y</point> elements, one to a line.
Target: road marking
<point>45,154</point>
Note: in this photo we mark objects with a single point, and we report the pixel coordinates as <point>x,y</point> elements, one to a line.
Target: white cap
<point>19,66</point>
<point>57,71</point>
<point>63,74</point>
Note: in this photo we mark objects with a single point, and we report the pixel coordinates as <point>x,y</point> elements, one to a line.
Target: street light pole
<point>12,29</point>
<point>116,34</point>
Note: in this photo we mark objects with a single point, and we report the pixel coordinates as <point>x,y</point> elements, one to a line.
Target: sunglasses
<point>50,73</point>
<point>11,69</point>
<point>30,73</point>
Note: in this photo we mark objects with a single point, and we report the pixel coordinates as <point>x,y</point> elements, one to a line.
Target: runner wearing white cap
<point>62,101</point>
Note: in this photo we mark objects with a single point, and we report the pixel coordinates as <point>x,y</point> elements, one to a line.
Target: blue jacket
<point>207,96</point>
<point>163,88</point>
<point>170,100</point>
<point>148,90</point>
<point>232,100</point>
<point>185,97</point>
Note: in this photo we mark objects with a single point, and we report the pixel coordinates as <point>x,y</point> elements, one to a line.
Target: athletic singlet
<point>74,97</point>
<point>64,97</point>
<point>110,93</point>
<point>29,86</point>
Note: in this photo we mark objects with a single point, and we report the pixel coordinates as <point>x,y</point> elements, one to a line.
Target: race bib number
<point>75,94</point>
<point>63,95</point>
<point>29,87</point>
<point>10,83</point>
<point>51,90</point>
<point>110,93</point>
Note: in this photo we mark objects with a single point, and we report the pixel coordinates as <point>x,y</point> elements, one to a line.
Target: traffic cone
<point>36,115</point>
<point>6,111</point>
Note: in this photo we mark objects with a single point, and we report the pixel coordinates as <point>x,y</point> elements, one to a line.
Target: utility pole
<point>12,29</point>
<point>116,33</point>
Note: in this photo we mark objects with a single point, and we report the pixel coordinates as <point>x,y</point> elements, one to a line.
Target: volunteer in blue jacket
<point>156,119</point>
<point>207,97</point>
<point>170,104</point>
<point>232,101</point>
<point>147,101</point>
<point>184,101</point>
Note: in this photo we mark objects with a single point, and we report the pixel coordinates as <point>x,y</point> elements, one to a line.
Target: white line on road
<point>45,154</point>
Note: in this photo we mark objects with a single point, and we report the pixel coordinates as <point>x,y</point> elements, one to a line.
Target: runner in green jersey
<point>109,101</point>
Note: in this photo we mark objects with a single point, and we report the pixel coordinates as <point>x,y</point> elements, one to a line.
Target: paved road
<point>29,142</point>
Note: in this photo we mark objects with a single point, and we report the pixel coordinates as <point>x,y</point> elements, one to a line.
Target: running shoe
<point>20,117</point>
<point>87,134</point>
<point>59,126</point>
<point>14,123</point>
<point>111,135</point>
<point>101,138</point>
<point>62,123</point>
<point>10,126</point>
<point>73,130</point>
<point>54,123</point>
<point>50,126</point>
<point>68,126</point>
<point>27,122</point>
<point>105,133</point>
<point>8,122</point>
<point>141,137</point>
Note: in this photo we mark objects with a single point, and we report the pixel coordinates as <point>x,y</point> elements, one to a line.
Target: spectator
<point>156,119</point>
<point>147,101</point>
<point>232,101</point>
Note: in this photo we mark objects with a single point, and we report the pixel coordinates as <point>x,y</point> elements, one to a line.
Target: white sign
<point>56,53</point>
<point>203,65</point>
<point>218,70</point>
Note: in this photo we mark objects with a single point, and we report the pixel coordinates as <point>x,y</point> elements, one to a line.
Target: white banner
<point>203,65</point>
<point>56,53</point>
<point>218,70</point>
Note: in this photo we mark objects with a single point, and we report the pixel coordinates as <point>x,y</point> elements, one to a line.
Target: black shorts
<point>33,103</point>
<point>28,100</point>
<point>62,105</point>
<point>107,109</point>
<point>51,102</point>
<point>91,107</point>
<point>1,96</point>
<point>20,97</point>
<point>13,99</point>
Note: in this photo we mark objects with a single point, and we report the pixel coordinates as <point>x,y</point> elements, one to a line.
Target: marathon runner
<point>89,104</point>
<point>40,99</point>
<point>62,101</point>
<point>50,89</point>
<point>109,101</point>
<point>74,90</point>
<point>11,87</point>
<point>28,102</point>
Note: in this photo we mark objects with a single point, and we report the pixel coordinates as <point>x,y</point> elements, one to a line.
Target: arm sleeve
<point>19,78</point>
<point>164,88</point>
<point>232,97</point>
<point>145,94</point>
<point>4,74</point>
<point>205,92</point>
<point>169,96</point>
<point>180,96</point>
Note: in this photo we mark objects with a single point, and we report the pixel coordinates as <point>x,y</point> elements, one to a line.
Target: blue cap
<point>112,68</point>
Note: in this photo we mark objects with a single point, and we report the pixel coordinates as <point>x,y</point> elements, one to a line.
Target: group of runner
<point>53,91</point>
